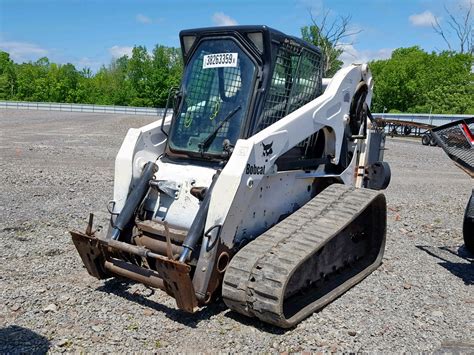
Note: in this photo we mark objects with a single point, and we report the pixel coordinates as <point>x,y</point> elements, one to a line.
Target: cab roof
<point>269,34</point>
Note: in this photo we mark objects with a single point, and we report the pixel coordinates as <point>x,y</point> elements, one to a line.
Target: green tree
<point>32,82</point>
<point>329,36</point>
<point>62,81</point>
<point>331,53</point>
<point>139,72</point>
<point>167,68</point>
<point>413,80</point>
<point>7,77</point>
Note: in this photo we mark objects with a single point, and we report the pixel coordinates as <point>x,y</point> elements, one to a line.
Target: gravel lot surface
<point>56,167</point>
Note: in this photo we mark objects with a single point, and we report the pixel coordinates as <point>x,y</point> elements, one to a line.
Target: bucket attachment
<point>103,258</point>
<point>91,254</point>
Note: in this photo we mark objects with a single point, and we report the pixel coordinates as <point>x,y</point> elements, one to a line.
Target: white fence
<point>435,119</point>
<point>52,106</point>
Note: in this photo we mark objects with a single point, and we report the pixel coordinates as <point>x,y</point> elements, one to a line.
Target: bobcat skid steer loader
<point>260,188</point>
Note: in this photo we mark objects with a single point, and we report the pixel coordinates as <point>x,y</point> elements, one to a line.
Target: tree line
<point>415,81</point>
<point>143,79</point>
<point>412,80</point>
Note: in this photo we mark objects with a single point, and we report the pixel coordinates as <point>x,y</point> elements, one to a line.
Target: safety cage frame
<point>274,53</point>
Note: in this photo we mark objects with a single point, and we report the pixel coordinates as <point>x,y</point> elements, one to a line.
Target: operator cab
<point>237,81</point>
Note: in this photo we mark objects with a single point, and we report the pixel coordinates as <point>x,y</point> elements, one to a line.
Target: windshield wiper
<point>210,138</point>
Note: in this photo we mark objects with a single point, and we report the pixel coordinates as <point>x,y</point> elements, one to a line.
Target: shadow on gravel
<point>120,288</point>
<point>462,253</point>
<point>463,270</point>
<point>256,323</point>
<point>18,340</point>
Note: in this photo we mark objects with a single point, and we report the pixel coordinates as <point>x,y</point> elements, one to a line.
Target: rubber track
<point>257,276</point>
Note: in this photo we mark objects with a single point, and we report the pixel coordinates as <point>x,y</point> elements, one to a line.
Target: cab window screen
<point>296,81</point>
<point>217,80</point>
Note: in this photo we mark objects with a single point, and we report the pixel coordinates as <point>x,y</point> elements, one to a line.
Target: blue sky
<point>91,32</point>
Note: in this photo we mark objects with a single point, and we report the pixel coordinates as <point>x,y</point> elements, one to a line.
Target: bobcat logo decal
<point>267,149</point>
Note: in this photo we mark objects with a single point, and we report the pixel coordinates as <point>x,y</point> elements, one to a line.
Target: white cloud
<point>352,55</point>
<point>120,51</point>
<point>221,19</point>
<point>424,19</point>
<point>86,62</point>
<point>22,51</point>
<point>143,19</point>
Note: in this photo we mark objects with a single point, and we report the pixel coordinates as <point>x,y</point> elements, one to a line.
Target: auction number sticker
<point>219,60</point>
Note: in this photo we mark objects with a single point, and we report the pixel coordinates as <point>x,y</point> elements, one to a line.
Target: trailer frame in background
<point>403,128</point>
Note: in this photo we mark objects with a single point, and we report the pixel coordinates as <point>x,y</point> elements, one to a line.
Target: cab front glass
<point>217,86</point>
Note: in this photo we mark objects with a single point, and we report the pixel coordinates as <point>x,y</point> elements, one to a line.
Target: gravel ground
<point>56,167</point>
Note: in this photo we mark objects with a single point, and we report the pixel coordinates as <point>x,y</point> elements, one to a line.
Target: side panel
<point>140,146</point>
<point>276,197</point>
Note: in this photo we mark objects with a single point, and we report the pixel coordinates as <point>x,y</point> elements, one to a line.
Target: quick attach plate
<point>97,253</point>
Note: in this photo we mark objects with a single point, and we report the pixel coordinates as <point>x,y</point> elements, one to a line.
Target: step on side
<point>310,258</point>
